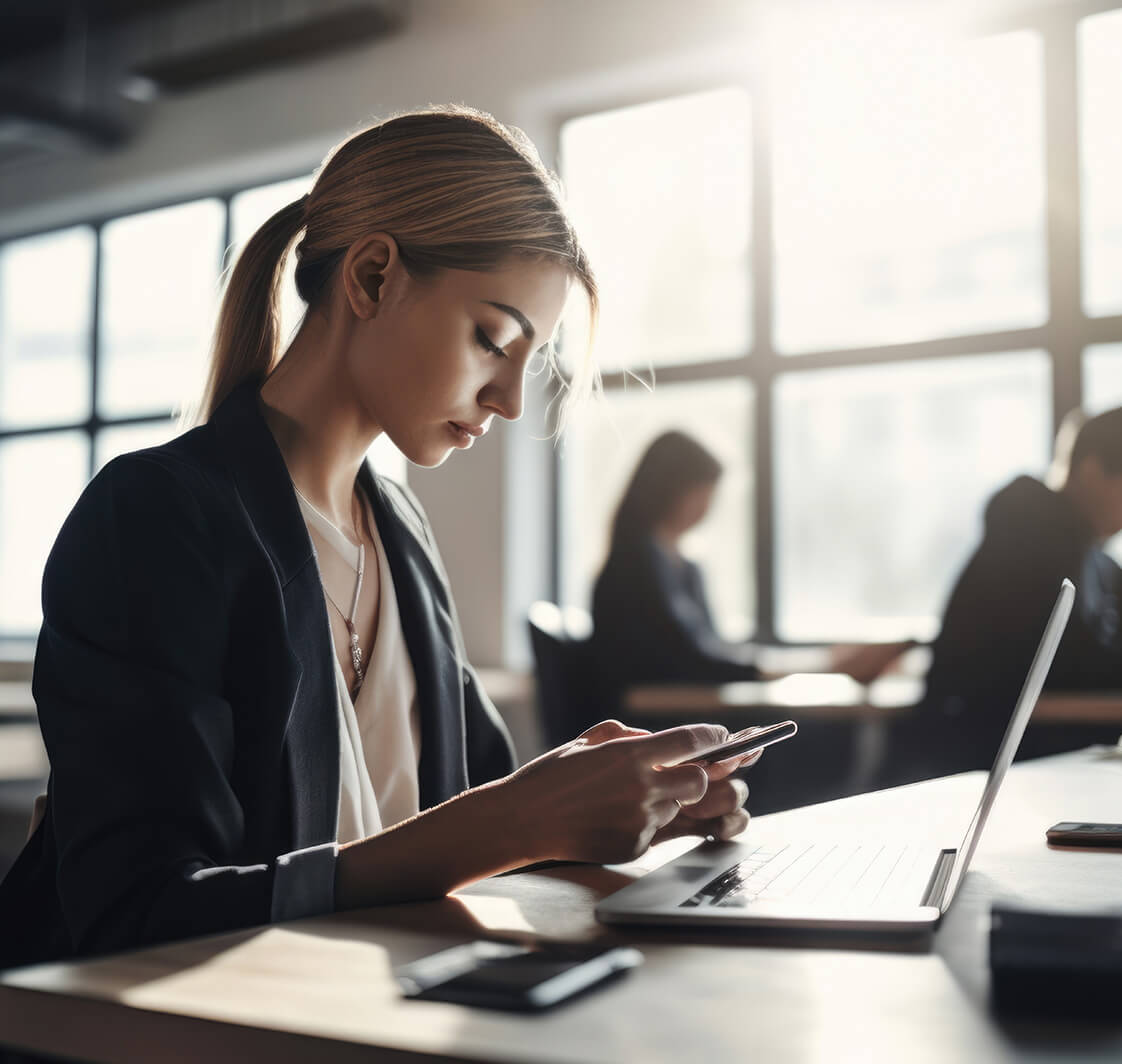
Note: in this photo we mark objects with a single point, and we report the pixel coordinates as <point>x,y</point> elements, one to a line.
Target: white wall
<point>530,62</point>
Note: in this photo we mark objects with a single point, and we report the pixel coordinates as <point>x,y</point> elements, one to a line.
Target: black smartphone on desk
<point>1082,833</point>
<point>500,975</point>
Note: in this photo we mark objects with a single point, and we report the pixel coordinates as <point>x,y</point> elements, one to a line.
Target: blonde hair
<point>456,189</point>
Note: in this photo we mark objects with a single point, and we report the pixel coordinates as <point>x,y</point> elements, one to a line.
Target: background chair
<point>565,676</point>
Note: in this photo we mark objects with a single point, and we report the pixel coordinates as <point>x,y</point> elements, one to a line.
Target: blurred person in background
<point>1036,533</point>
<point>651,617</point>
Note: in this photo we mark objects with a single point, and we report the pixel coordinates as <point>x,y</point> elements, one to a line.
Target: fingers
<point>665,814</point>
<point>685,783</point>
<point>722,828</point>
<point>607,730</point>
<point>721,797</point>
<point>730,825</point>
<point>718,770</point>
<point>673,745</point>
<point>719,813</point>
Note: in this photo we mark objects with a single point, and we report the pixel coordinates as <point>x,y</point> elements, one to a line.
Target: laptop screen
<point>1030,692</point>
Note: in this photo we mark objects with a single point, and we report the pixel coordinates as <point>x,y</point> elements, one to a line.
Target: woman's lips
<point>465,434</point>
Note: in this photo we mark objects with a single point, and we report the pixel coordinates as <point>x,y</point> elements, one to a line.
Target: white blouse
<point>379,731</point>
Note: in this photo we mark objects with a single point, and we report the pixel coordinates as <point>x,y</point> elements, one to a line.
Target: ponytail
<point>247,336</point>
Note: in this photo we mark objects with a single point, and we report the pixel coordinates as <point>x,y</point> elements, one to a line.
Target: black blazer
<point>186,693</point>
<point>651,623</point>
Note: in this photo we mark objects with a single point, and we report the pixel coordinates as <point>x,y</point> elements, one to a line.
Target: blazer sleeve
<point>142,742</point>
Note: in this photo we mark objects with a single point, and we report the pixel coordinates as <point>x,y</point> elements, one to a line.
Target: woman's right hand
<point>602,797</point>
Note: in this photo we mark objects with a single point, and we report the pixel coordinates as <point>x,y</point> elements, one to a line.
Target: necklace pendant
<point>356,657</point>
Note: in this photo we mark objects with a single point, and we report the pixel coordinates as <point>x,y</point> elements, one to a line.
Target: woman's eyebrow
<point>516,314</point>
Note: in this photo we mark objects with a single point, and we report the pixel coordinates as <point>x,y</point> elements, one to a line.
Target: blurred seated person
<point>1036,533</point>
<point>651,618</point>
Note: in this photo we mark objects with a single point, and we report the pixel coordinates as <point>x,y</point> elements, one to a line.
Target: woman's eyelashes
<point>486,343</point>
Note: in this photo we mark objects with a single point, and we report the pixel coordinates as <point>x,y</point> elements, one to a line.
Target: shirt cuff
<point>304,882</point>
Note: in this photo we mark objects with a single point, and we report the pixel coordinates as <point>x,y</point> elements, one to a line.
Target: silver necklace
<point>348,618</point>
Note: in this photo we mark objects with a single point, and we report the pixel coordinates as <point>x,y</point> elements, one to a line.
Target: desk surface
<point>321,990</point>
<point>822,694</point>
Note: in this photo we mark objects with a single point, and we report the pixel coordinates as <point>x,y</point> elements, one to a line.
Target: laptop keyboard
<point>853,875</point>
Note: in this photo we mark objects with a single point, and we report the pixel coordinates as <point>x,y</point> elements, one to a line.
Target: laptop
<point>889,888</point>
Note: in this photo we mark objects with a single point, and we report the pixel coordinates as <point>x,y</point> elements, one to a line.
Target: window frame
<point>92,425</point>
<point>1064,334</point>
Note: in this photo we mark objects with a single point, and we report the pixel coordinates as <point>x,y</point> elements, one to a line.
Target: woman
<point>250,676</point>
<point>651,618</point>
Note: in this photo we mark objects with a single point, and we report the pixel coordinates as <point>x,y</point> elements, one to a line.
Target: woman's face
<point>691,507</point>
<point>441,358</point>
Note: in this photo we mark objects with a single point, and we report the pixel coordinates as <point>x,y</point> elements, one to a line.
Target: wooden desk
<point>802,696</point>
<point>1079,707</point>
<point>321,990</point>
<point>838,697</point>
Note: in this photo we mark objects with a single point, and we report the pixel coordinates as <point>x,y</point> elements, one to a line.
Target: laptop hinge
<point>937,884</point>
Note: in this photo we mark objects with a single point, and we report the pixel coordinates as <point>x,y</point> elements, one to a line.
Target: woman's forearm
<point>476,834</point>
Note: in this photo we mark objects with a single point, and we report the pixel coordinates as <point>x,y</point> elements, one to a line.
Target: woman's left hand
<point>721,812</point>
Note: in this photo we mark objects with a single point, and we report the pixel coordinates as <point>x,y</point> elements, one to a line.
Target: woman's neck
<point>667,538</point>
<point>319,430</point>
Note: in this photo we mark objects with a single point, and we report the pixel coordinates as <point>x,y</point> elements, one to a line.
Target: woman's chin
<point>428,457</point>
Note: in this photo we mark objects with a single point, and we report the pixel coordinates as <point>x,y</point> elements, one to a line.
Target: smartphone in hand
<point>742,742</point>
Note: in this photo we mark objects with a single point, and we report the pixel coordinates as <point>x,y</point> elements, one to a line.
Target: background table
<point>321,989</point>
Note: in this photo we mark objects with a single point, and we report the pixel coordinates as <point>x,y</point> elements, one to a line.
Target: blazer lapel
<point>429,629</point>
<point>312,729</point>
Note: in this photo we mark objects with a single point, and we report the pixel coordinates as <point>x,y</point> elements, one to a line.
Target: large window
<point>904,338</point>
<point>909,196</point>
<point>104,334</point>
<point>667,224</point>
<point>1100,93</point>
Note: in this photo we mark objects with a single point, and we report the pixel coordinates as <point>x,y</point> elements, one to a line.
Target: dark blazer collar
<point>423,600</point>
<point>261,477</point>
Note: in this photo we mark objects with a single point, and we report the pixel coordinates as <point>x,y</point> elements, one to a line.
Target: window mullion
<point>763,354</point>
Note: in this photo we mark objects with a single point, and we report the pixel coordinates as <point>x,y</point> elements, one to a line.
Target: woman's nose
<point>504,395</point>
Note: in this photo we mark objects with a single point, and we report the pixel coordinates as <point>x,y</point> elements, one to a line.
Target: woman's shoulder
<point>153,487</point>
<point>189,462</point>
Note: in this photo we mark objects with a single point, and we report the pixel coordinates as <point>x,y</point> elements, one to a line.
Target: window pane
<point>1100,98</point>
<point>159,275</point>
<point>600,454</point>
<point>41,477</point>
<point>881,476</point>
<point>248,211</point>
<point>909,195</point>
<point>46,299</point>
<point>1102,377</point>
<point>124,438</point>
<point>660,195</point>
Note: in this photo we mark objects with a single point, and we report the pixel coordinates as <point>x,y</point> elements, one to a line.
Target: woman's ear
<point>366,266</point>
